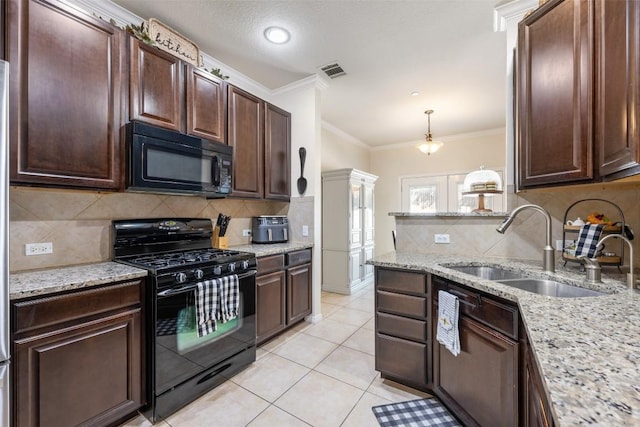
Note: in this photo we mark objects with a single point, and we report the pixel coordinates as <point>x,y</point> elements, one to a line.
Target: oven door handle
<point>188,288</point>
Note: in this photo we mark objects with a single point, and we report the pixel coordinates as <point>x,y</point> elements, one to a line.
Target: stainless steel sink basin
<point>550,288</point>
<point>487,272</point>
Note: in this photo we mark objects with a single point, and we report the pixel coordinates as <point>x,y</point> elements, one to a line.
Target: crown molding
<point>445,139</point>
<point>344,135</point>
<point>509,10</point>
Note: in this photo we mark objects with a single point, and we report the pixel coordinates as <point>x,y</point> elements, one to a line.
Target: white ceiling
<point>446,50</point>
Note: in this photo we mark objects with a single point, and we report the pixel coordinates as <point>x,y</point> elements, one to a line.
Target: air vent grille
<point>333,70</point>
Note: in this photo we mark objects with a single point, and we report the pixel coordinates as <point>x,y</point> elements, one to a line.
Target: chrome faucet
<point>631,278</point>
<point>593,269</point>
<point>548,253</point>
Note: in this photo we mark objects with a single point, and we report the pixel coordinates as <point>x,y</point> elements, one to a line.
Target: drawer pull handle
<point>461,297</point>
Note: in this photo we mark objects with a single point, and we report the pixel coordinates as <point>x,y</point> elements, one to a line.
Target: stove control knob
<point>231,267</point>
<point>198,274</point>
<point>181,277</point>
<point>217,270</point>
<point>245,265</point>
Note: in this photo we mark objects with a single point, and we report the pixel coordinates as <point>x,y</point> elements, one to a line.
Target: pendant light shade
<point>429,146</point>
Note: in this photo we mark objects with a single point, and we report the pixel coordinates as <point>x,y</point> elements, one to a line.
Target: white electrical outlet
<point>38,248</point>
<point>305,230</point>
<point>441,238</point>
<point>559,245</point>
<point>246,233</point>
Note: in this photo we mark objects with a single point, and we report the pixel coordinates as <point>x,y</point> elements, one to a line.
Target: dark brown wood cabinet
<point>78,357</point>
<point>246,136</point>
<point>277,153</point>
<point>284,292</point>
<point>66,95</point>
<point>555,94</point>
<point>403,336</point>
<point>617,101</point>
<point>480,384</point>
<point>260,134</point>
<point>157,86</point>
<point>535,410</point>
<point>206,97</point>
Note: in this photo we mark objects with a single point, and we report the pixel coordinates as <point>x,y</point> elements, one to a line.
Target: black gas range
<point>178,255</point>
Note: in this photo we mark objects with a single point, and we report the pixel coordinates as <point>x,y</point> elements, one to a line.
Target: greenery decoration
<point>216,72</point>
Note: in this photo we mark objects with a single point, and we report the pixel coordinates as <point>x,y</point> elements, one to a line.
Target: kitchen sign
<point>174,43</point>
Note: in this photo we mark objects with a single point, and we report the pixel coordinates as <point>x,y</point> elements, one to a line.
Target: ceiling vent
<point>333,70</point>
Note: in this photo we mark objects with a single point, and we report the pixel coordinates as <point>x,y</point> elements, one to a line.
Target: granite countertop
<point>272,248</point>
<point>587,349</point>
<point>40,282</point>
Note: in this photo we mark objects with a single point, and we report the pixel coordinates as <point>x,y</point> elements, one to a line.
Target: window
<point>442,193</point>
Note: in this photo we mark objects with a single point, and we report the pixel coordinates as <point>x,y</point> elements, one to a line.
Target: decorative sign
<point>171,41</point>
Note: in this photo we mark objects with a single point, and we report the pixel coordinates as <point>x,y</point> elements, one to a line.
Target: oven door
<point>166,166</point>
<point>179,353</point>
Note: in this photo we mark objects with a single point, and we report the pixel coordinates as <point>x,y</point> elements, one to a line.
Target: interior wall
<point>460,153</point>
<point>341,151</point>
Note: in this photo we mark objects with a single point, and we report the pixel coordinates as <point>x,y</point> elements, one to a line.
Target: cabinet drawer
<point>401,327</point>
<point>298,257</point>
<point>267,264</point>
<point>499,316</point>
<point>47,311</point>
<point>402,281</point>
<point>405,305</point>
<point>401,359</point>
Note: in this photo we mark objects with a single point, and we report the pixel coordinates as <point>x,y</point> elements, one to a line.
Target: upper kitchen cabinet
<point>157,86</point>
<point>277,153</point>
<point>65,94</point>
<point>172,94</point>
<point>246,136</point>
<point>555,94</point>
<point>206,98</point>
<point>617,106</point>
<point>260,135</point>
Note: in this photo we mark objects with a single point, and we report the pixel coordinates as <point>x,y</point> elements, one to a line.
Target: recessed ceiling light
<point>277,35</point>
<point>415,93</point>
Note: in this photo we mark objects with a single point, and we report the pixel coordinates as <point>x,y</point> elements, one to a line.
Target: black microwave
<point>164,161</point>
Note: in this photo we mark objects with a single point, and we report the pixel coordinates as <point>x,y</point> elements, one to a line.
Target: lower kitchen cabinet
<point>403,335</point>
<point>283,292</point>
<point>78,357</point>
<point>535,410</point>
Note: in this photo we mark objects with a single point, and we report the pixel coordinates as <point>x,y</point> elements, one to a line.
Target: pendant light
<point>429,146</point>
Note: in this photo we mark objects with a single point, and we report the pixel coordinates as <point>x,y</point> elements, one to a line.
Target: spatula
<point>302,181</point>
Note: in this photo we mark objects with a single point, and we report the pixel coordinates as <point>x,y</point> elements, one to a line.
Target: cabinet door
<point>157,86</point>
<point>65,93</point>
<point>618,87</point>
<point>298,293</point>
<point>555,94</point>
<point>355,267</point>
<point>355,215</point>
<point>277,153</point>
<point>481,383</point>
<point>367,255</point>
<point>206,105</point>
<point>368,225</point>
<point>270,305</point>
<point>246,136</point>
<point>86,374</point>
<point>535,408</point>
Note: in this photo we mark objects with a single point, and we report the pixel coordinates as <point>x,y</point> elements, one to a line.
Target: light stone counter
<point>40,282</point>
<point>272,248</point>
<point>587,349</point>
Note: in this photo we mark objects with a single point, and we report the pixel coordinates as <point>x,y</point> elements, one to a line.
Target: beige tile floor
<point>312,375</point>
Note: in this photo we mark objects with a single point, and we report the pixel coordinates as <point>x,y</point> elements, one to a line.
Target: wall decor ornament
<point>169,40</point>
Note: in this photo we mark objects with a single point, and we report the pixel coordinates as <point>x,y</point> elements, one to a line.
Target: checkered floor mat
<point>414,413</point>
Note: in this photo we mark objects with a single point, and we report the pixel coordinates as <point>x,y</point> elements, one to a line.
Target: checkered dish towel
<point>588,239</point>
<point>216,300</point>
<point>448,313</point>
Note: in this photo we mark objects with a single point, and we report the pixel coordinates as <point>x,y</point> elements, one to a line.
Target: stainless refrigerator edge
<point>5,390</point>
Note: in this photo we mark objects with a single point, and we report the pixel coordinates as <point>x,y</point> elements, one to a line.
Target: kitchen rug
<point>414,413</point>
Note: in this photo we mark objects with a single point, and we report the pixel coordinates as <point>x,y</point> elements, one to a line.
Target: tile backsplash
<point>78,223</point>
<point>525,238</point>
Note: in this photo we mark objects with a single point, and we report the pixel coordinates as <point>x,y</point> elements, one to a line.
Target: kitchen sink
<point>518,280</point>
<point>487,272</point>
<point>550,288</point>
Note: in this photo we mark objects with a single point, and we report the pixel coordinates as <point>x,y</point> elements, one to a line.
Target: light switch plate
<point>305,230</point>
